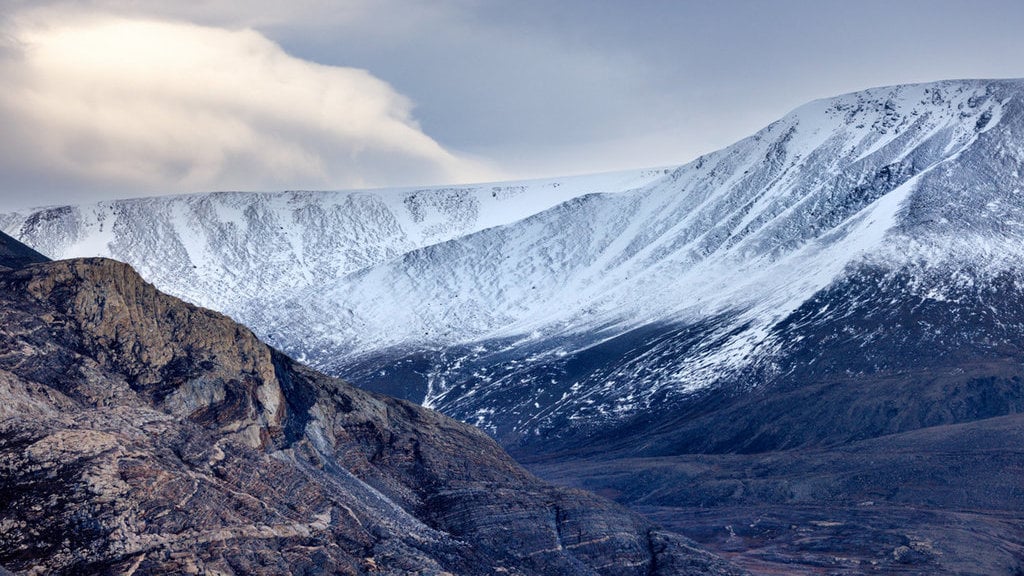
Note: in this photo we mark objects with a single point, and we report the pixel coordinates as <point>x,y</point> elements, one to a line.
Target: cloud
<point>130,105</point>
<point>224,13</point>
<point>544,88</point>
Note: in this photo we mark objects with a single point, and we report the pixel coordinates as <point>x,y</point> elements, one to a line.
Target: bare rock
<point>142,435</point>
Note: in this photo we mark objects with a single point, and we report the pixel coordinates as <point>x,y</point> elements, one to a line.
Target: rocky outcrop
<point>142,435</point>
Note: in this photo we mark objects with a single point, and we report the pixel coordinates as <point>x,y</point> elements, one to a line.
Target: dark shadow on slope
<point>885,437</point>
<point>14,254</point>
<point>876,354</point>
<point>524,384</point>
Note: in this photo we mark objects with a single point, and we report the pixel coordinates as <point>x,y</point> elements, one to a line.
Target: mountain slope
<point>938,500</point>
<point>237,252</point>
<point>612,304</point>
<point>609,306</point>
<point>143,435</point>
<point>802,350</point>
<point>604,307</point>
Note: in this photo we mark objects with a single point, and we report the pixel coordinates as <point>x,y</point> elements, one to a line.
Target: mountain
<point>143,435</point>
<point>611,307</point>
<point>621,299</point>
<point>802,351</point>
<point>238,252</point>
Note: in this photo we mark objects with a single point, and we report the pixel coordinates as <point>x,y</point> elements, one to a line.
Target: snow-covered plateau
<point>546,308</point>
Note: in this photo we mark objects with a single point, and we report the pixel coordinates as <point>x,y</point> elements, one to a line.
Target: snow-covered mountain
<point>610,305</point>
<point>602,302</point>
<point>237,252</point>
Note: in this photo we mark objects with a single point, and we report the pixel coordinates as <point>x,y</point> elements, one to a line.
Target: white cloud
<point>139,105</point>
<point>229,13</point>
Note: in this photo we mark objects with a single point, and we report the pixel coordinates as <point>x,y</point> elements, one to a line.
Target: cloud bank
<point>136,106</point>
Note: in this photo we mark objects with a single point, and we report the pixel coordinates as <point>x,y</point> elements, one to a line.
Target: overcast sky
<point>116,98</point>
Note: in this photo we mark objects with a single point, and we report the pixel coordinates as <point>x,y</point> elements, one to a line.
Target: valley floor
<point>827,539</point>
<point>942,500</point>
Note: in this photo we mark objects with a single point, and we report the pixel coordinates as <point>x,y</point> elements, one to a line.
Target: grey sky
<point>516,89</point>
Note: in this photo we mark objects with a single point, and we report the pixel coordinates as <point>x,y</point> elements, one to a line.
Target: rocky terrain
<point>886,438</point>
<point>940,500</point>
<point>802,351</point>
<point>143,435</point>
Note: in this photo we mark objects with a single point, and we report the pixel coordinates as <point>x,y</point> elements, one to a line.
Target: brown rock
<point>142,435</point>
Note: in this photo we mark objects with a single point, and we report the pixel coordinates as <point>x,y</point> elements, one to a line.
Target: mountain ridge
<point>732,242</point>
<point>252,245</point>
<point>784,327</point>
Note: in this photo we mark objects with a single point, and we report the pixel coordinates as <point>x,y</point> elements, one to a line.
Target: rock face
<point>143,435</point>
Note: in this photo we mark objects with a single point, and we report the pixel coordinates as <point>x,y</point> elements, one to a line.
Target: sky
<point>122,98</point>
